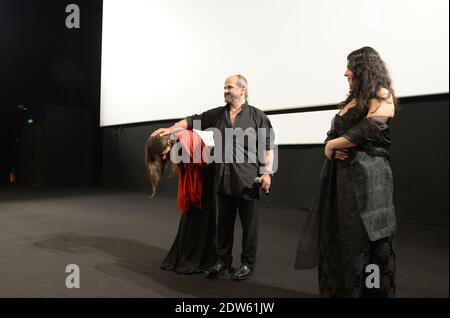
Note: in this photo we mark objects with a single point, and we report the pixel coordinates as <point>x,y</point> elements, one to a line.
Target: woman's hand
<point>329,150</point>
<point>341,154</point>
<point>338,148</point>
<point>332,153</point>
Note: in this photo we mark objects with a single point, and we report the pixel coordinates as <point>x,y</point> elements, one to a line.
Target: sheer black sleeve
<point>369,132</point>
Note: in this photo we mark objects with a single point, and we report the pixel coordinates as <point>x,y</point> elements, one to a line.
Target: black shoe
<point>242,273</point>
<point>218,269</point>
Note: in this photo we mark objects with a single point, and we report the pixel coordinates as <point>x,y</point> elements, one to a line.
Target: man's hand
<point>265,182</point>
<point>162,132</point>
<point>181,125</point>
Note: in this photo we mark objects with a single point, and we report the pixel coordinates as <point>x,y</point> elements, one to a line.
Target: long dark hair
<point>370,75</point>
<point>154,162</point>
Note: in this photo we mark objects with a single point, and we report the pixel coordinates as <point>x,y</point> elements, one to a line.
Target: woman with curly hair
<point>193,250</point>
<point>349,231</point>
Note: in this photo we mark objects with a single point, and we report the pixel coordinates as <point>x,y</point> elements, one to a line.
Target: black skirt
<point>194,248</point>
<point>346,250</point>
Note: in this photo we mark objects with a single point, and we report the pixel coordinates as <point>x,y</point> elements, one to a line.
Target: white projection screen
<point>166,59</point>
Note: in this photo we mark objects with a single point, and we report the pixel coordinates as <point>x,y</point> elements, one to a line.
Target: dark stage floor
<point>118,239</point>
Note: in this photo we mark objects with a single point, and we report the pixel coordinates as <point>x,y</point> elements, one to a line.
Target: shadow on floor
<point>139,264</point>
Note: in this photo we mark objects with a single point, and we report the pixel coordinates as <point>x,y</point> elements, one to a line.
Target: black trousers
<point>228,207</point>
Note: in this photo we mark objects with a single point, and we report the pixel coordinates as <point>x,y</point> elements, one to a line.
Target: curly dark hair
<point>370,75</point>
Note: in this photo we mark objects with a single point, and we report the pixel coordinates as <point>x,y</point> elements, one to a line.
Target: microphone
<point>258,182</point>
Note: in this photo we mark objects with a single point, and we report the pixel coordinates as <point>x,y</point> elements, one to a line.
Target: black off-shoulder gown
<point>352,222</point>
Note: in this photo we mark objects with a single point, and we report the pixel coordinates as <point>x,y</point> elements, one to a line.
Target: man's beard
<point>228,98</point>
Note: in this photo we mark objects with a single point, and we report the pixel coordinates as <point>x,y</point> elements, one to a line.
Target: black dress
<point>194,248</point>
<point>352,221</point>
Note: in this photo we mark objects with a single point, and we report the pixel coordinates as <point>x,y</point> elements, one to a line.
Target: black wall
<point>419,161</point>
<point>44,63</point>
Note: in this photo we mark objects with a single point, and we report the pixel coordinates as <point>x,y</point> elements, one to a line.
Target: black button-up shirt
<point>242,158</point>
